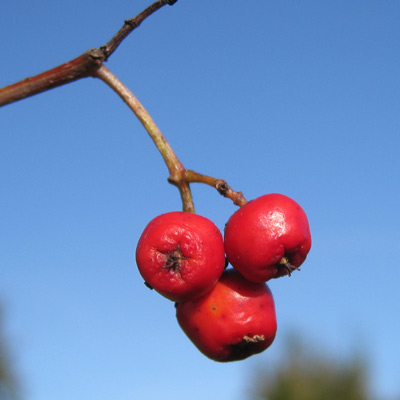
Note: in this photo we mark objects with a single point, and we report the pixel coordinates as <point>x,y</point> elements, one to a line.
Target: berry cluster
<point>228,313</point>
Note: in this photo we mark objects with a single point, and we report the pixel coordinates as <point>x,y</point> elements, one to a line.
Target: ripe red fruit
<point>267,238</point>
<point>232,322</point>
<point>181,255</point>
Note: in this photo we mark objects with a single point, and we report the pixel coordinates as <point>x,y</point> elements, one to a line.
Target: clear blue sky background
<point>296,97</point>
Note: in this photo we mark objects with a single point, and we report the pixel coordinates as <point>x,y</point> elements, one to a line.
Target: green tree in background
<point>8,382</point>
<point>303,375</point>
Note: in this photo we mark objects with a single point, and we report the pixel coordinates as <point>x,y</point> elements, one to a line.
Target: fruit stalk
<point>175,167</point>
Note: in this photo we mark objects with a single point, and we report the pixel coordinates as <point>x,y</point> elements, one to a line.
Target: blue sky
<point>300,98</point>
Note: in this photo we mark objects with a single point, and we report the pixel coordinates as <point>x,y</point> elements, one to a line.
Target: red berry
<point>267,238</point>
<point>232,322</point>
<point>181,255</point>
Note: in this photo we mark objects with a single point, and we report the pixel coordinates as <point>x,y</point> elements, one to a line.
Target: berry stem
<point>179,176</point>
<point>175,167</point>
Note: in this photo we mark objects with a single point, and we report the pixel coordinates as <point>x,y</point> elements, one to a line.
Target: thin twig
<point>130,25</point>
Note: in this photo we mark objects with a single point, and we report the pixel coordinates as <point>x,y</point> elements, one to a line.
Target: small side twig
<point>220,184</point>
<point>130,25</point>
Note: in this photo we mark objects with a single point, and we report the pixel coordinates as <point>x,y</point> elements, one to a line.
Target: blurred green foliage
<point>8,383</point>
<point>304,374</point>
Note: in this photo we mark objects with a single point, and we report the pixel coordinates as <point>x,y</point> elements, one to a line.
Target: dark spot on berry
<point>248,346</point>
<point>148,285</point>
